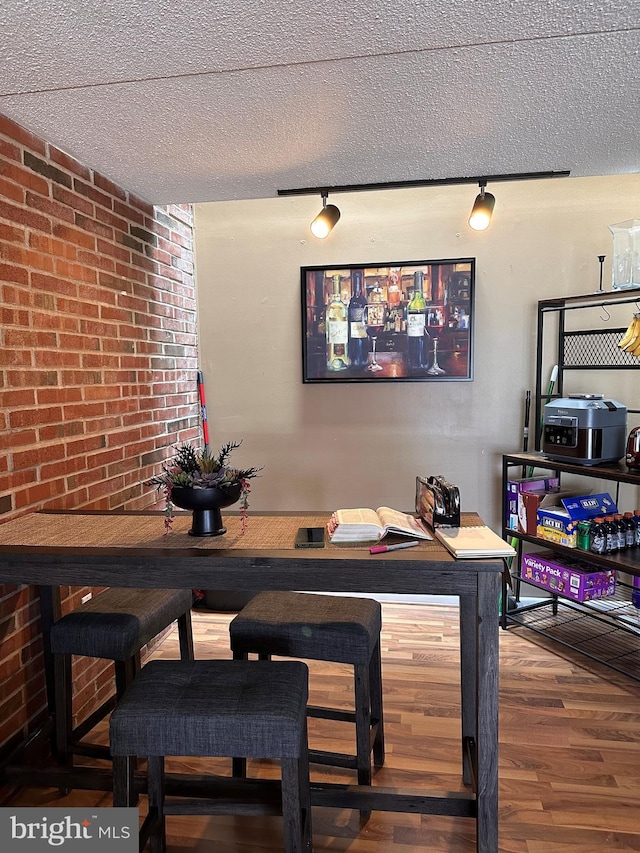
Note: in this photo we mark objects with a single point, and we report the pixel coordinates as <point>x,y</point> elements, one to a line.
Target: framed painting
<point>403,321</point>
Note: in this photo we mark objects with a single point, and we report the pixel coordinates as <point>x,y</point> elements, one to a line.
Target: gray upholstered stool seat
<point>114,625</point>
<point>323,627</point>
<point>216,708</point>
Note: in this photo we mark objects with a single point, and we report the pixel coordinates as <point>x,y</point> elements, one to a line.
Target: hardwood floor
<point>569,748</point>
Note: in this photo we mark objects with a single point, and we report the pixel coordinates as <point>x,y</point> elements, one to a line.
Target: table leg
<point>487,712</point>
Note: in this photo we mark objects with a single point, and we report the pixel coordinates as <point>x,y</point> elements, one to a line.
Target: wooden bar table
<point>122,549</point>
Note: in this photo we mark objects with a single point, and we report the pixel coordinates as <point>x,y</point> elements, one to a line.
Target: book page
<point>358,516</point>
<point>395,520</point>
<point>474,542</point>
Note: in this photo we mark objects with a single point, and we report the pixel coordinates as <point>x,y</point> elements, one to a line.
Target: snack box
<point>525,484</point>
<point>567,577</point>
<point>530,502</point>
<point>560,524</point>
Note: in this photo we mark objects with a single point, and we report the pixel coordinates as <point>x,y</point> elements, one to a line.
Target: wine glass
<point>435,325</point>
<point>374,319</point>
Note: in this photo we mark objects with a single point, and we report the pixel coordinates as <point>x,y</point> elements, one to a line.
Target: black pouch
<point>437,502</point>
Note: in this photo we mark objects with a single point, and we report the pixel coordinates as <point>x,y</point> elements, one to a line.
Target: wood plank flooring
<point>569,748</point>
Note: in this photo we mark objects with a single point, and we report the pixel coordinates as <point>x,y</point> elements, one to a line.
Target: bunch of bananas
<point>630,341</point>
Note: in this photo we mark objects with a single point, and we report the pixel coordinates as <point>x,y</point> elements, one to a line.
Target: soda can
<point>583,537</point>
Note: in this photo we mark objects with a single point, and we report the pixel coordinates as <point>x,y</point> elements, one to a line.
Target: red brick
<point>20,135</point>
<point>44,243</point>
<point>115,251</point>
<point>141,204</point>
<point>62,469</point>
<point>92,193</point>
<point>111,219</point>
<point>8,272</point>
<point>71,199</point>
<point>37,456</point>
<point>74,235</point>
<point>54,284</point>
<point>13,191</point>
<point>69,163</point>
<point>81,377</point>
<point>24,217</point>
<point>141,261</point>
<point>9,150</point>
<point>25,257</point>
<point>129,272</point>
<point>91,259</point>
<point>25,177</point>
<point>59,431</point>
<point>10,317</point>
<point>21,397</point>
<point>41,320</point>
<point>128,212</point>
<point>20,438</point>
<point>40,492</point>
<point>15,358</point>
<point>57,358</point>
<point>76,306</point>
<point>12,234</point>
<point>51,208</point>
<point>108,186</point>
<point>79,342</point>
<point>49,396</point>
<point>96,294</point>
<point>32,417</point>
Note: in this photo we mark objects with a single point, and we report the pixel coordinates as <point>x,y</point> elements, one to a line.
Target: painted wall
<point>353,444</point>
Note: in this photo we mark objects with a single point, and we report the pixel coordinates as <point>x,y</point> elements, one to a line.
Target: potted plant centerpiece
<point>204,483</point>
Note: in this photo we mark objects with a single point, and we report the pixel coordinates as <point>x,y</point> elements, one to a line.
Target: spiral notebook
<point>480,541</point>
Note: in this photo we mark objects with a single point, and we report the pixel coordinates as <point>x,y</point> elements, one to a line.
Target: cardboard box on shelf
<point>530,502</point>
<point>560,524</point>
<point>525,484</point>
<point>567,577</point>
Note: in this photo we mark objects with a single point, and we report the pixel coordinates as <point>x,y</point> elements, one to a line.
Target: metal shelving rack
<point>604,630</point>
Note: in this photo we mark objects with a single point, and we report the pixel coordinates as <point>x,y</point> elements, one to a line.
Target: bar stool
<point>115,625</point>
<point>217,708</point>
<point>330,628</point>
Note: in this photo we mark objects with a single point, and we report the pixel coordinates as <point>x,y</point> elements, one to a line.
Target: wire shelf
<point>607,631</point>
<point>596,348</point>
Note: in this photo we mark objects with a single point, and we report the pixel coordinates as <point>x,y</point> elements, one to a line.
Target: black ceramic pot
<point>206,505</point>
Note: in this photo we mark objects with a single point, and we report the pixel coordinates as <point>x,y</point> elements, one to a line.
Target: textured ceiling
<point>233,99</point>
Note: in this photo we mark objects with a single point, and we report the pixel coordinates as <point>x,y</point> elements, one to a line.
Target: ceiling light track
<point>426,182</point>
<point>479,219</point>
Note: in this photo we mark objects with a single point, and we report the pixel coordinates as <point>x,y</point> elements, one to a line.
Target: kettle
<point>633,448</point>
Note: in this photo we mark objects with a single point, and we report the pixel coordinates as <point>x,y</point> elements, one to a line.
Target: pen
<point>380,549</point>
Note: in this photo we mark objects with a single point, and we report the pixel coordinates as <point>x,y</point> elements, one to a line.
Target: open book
<point>369,525</point>
<point>478,541</point>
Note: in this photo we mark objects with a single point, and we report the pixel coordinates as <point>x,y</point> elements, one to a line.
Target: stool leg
<point>125,671</point>
<point>155,790</point>
<point>64,712</point>
<point>296,811</point>
<point>123,793</point>
<point>375,683</point>
<point>363,723</point>
<point>185,636</point>
<point>239,765</point>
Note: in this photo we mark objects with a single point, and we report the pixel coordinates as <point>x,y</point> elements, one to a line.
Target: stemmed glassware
<point>435,326</point>
<point>375,314</point>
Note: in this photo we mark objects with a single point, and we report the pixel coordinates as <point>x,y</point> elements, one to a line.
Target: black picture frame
<point>387,336</point>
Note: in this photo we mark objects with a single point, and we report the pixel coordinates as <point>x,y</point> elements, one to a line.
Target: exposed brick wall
<point>97,368</point>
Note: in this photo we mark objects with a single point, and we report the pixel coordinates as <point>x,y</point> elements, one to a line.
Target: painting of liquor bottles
<point>404,321</point>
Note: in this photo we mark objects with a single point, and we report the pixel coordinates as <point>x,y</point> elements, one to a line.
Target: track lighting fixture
<point>326,219</point>
<point>482,209</point>
<point>480,215</point>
